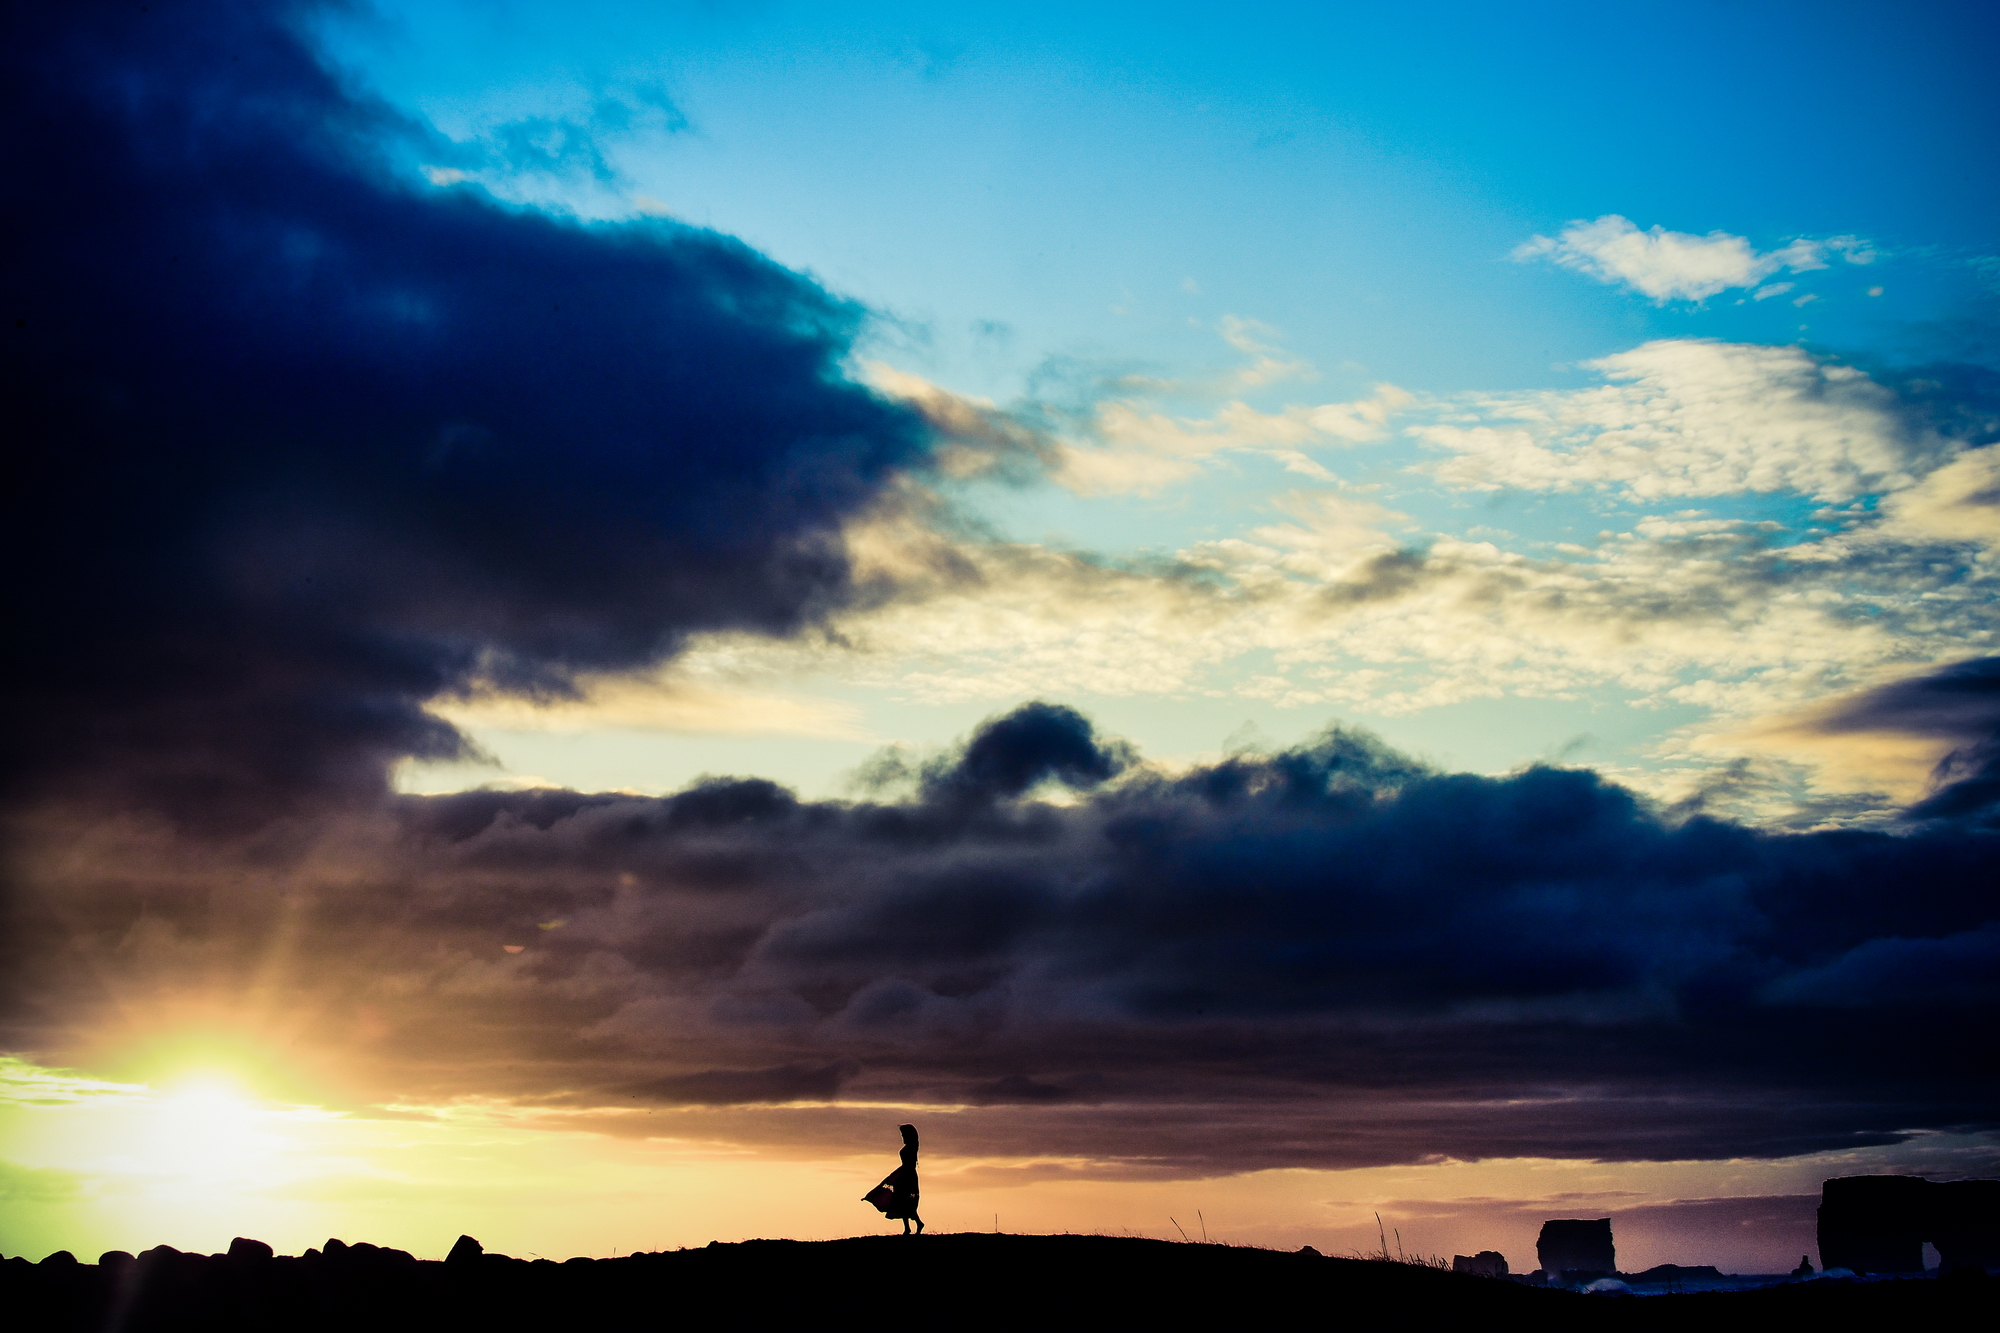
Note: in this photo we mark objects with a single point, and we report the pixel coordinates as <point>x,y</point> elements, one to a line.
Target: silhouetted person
<point>1805,1268</point>
<point>902,1184</point>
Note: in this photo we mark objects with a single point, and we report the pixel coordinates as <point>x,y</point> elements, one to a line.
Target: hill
<point>962,1281</point>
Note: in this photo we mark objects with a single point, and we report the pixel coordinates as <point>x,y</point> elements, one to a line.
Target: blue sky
<point>1039,204</point>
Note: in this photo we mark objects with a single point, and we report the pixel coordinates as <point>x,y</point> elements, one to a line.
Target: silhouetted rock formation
<point>1579,1250</point>
<point>465,1250</point>
<point>1487,1263</point>
<point>1872,1224</point>
<point>1677,1273</point>
<point>1965,1224</point>
<point>1878,1224</point>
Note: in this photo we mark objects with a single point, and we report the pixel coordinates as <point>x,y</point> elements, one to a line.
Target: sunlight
<point>208,1128</point>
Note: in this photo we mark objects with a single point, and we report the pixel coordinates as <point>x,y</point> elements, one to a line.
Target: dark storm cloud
<point>737,1087</point>
<point>301,442</point>
<point>1034,743</point>
<point>1330,955</point>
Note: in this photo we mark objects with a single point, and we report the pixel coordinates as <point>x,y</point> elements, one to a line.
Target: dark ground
<point>965,1281</point>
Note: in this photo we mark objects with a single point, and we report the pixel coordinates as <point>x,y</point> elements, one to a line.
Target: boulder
<point>465,1250</point>
<point>243,1248</point>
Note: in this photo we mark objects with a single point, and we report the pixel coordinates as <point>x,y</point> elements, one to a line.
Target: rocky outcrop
<point>1964,1223</point>
<point>1575,1246</point>
<point>1677,1273</point>
<point>1878,1224</point>
<point>1487,1263</point>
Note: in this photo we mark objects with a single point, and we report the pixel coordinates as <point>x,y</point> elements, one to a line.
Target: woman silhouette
<point>902,1184</point>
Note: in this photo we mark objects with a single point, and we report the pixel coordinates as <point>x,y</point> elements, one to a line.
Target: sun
<point>205,1127</point>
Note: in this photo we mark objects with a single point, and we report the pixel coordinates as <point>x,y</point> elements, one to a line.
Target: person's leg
<point>920,1224</point>
<point>906,1226</point>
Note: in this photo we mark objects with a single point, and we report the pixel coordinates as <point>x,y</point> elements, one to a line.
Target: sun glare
<point>208,1129</point>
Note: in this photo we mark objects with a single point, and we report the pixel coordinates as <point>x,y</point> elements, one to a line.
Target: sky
<point>1277,613</point>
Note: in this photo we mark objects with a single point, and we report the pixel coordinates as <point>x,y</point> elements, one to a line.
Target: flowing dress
<point>903,1183</point>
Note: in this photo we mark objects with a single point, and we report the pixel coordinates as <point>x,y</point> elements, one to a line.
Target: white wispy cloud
<point>1690,418</point>
<point>1269,364</point>
<point>1677,265</point>
<point>1339,608</point>
<point>1129,446</point>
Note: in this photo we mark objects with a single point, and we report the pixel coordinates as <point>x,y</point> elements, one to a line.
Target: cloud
<point>1959,502</point>
<point>1920,974</point>
<point>1130,447</point>
<point>737,1087</point>
<point>314,442</point>
<point>1036,742</point>
<point>1121,443</point>
<point>1689,417</point>
<point>1935,735</point>
<point>658,703</point>
<point>566,159</point>
<point>1270,364</point>
<point>1332,955</point>
<point>1674,265</point>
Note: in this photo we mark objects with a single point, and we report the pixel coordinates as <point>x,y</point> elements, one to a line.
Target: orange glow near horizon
<point>92,1165</point>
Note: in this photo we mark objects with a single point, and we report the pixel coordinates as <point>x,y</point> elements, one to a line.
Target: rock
<point>1676,1273</point>
<point>465,1250</point>
<point>1878,1224</point>
<point>1573,1245</point>
<point>114,1259</point>
<point>60,1259</point>
<point>1964,1224</point>
<point>1873,1224</point>
<point>244,1248</point>
<point>1487,1263</point>
<point>1307,1249</point>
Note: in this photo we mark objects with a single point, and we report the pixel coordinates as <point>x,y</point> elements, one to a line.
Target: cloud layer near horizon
<point>1328,956</point>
